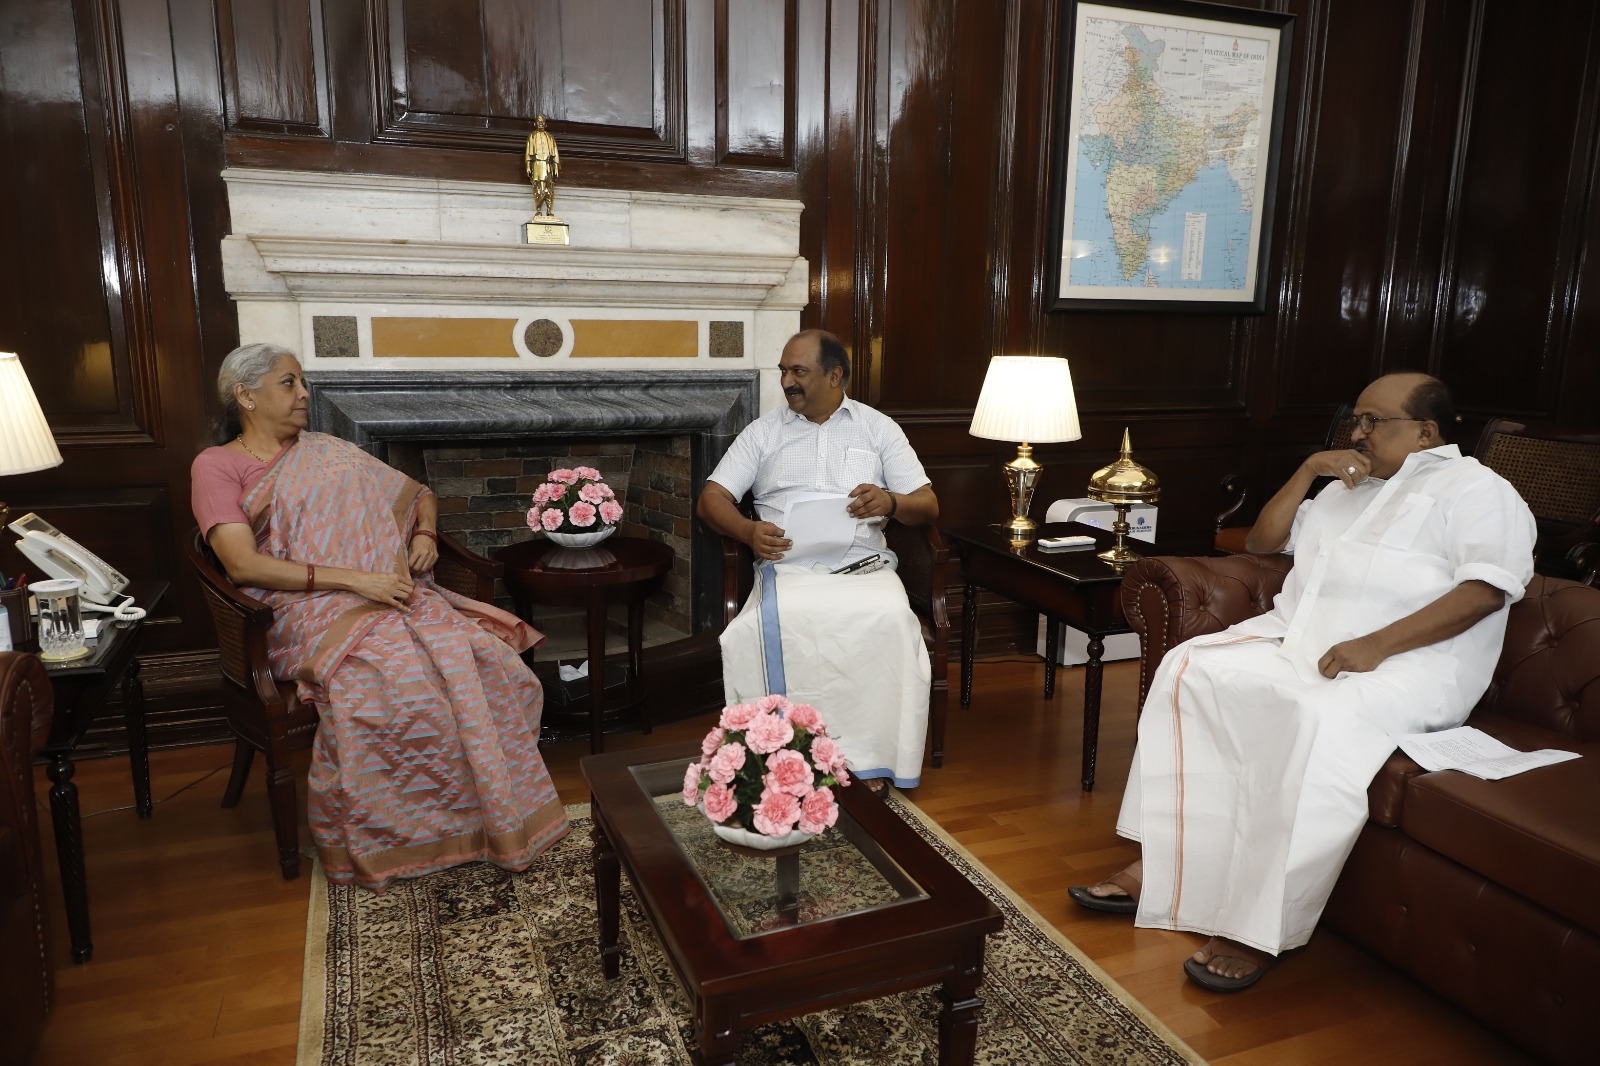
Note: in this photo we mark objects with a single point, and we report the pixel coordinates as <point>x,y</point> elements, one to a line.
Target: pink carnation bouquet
<point>574,501</point>
<point>769,767</point>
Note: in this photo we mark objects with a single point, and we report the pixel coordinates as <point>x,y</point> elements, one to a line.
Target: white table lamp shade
<point>25,441</point>
<point>1027,398</point>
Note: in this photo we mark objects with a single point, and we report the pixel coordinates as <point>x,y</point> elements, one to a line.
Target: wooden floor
<point>198,942</point>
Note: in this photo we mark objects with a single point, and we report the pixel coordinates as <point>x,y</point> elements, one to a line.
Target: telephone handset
<point>60,556</point>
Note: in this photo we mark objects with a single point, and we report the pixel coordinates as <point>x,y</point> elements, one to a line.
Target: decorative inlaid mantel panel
<point>371,272</point>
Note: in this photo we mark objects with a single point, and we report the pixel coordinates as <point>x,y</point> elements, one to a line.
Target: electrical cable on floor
<point>163,799</point>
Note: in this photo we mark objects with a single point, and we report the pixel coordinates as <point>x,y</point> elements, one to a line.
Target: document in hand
<point>819,528</point>
<point>1472,751</point>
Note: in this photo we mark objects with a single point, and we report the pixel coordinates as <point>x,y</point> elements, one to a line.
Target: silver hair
<point>246,365</point>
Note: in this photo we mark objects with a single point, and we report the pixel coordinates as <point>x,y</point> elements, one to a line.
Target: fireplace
<point>399,416</point>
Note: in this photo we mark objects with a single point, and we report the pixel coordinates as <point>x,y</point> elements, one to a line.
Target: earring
<point>249,407</point>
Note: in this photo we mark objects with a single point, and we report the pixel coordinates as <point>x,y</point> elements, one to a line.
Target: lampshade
<point>1027,398</point>
<point>25,441</point>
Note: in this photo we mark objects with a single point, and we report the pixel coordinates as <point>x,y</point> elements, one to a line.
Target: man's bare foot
<point>1117,894</point>
<point>1124,883</point>
<point>1224,965</point>
<point>876,785</point>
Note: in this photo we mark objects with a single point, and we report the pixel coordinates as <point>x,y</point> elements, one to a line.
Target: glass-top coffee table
<point>866,909</point>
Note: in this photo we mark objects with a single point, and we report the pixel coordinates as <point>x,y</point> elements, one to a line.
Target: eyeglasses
<point>1368,423</point>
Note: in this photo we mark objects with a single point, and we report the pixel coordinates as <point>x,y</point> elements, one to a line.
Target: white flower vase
<point>758,841</point>
<point>581,540</point>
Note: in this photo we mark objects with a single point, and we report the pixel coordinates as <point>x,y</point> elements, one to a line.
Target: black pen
<point>857,565</point>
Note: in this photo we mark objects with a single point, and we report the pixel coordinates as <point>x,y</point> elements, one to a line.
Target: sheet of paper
<point>819,527</point>
<point>1475,752</point>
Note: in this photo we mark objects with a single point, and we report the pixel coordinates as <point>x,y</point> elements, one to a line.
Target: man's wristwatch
<point>894,504</point>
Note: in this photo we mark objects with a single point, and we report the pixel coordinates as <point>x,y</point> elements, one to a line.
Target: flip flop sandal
<point>1125,904</point>
<point>1216,982</point>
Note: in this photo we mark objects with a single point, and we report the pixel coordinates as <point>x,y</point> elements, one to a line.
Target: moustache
<point>794,392</point>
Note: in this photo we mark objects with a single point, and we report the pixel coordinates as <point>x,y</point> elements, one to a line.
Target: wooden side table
<point>617,570</point>
<point>81,687</point>
<point>1075,587</point>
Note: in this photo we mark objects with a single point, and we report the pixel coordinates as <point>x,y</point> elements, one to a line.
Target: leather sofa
<point>1487,892</point>
<point>26,982</point>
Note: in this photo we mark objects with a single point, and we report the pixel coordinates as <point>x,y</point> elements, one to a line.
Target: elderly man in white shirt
<point>1256,745</point>
<point>847,644</point>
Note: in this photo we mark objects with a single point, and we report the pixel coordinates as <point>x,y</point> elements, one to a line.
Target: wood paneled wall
<point>1435,210</point>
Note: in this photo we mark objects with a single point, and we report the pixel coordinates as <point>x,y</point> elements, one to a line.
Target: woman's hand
<point>392,590</point>
<point>423,554</point>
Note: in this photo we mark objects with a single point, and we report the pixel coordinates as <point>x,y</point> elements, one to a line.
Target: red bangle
<point>311,577</point>
<point>430,534</point>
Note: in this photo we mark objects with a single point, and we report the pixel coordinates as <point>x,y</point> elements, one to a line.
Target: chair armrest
<point>241,622</point>
<point>27,708</point>
<point>1169,599</point>
<point>463,571</point>
<point>737,563</point>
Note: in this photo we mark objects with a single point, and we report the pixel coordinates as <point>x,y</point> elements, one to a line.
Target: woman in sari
<point>427,751</point>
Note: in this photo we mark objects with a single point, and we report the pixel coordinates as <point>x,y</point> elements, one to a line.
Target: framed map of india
<point>1168,139</point>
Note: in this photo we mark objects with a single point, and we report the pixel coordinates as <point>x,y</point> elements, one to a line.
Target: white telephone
<point>60,556</point>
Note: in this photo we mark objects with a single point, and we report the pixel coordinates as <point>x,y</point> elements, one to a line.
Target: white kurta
<point>1248,785</point>
<point>851,648</point>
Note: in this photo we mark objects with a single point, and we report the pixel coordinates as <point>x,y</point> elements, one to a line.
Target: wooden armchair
<point>267,714</point>
<point>1557,471</point>
<point>925,569</point>
<point>27,984</point>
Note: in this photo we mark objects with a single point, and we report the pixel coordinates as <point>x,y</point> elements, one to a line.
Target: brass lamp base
<point>1022,474</point>
<point>1119,556</point>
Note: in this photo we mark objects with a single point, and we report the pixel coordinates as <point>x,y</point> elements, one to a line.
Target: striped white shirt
<point>783,452</point>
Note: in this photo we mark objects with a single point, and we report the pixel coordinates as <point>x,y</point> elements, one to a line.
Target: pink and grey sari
<point>427,753</point>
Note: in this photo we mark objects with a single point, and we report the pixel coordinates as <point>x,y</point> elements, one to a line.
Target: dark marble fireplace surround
<point>378,409</point>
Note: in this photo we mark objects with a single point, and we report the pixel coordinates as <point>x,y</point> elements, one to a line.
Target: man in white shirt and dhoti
<point>1256,745</point>
<point>846,643</point>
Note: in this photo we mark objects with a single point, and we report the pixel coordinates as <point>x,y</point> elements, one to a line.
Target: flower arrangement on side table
<point>766,774</point>
<point>575,508</point>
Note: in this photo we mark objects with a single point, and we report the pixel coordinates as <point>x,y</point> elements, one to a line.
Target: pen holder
<point>16,604</point>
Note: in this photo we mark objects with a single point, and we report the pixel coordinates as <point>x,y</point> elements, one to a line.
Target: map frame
<point>1273,29</point>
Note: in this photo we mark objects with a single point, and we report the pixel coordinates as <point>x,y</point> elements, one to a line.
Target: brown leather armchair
<point>27,984</point>
<point>266,714</point>
<point>1488,892</point>
<point>926,570</point>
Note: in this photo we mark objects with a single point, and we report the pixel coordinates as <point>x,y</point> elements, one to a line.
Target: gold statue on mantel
<point>541,163</point>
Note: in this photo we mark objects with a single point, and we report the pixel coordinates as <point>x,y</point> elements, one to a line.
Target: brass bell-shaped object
<point>1123,484</point>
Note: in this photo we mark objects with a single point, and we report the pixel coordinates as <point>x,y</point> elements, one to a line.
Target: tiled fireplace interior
<point>484,492</point>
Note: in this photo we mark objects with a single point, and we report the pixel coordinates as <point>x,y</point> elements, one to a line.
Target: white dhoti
<point>1249,783</point>
<point>849,646</point>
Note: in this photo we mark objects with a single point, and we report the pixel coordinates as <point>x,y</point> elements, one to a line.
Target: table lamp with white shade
<point>1027,399</point>
<point>25,441</point>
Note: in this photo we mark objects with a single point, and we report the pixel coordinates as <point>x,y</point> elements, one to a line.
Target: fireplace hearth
<point>397,416</point>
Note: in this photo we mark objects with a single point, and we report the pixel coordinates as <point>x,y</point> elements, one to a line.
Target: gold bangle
<point>311,577</point>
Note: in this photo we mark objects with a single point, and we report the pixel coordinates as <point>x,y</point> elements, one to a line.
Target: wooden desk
<point>617,570</point>
<point>884,913</point>
<point>1074,587</point>
<point>81,687</point>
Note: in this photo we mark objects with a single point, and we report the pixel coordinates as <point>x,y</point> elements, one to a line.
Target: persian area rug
<point>477,965</point>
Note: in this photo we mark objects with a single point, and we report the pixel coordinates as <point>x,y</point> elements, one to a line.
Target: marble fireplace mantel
<point>365,273</point>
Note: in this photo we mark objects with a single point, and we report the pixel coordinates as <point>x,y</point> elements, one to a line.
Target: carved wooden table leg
<point>636,659</point>
<point>69,854</point>
<point>608,897</point>
<point>969,640</point>
<point>138,746</point>
<point>597,669</point>
<point>716,1034</point>
<point>1092,672</point>
<point>1052,648</point>
<point>958,1022</point>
